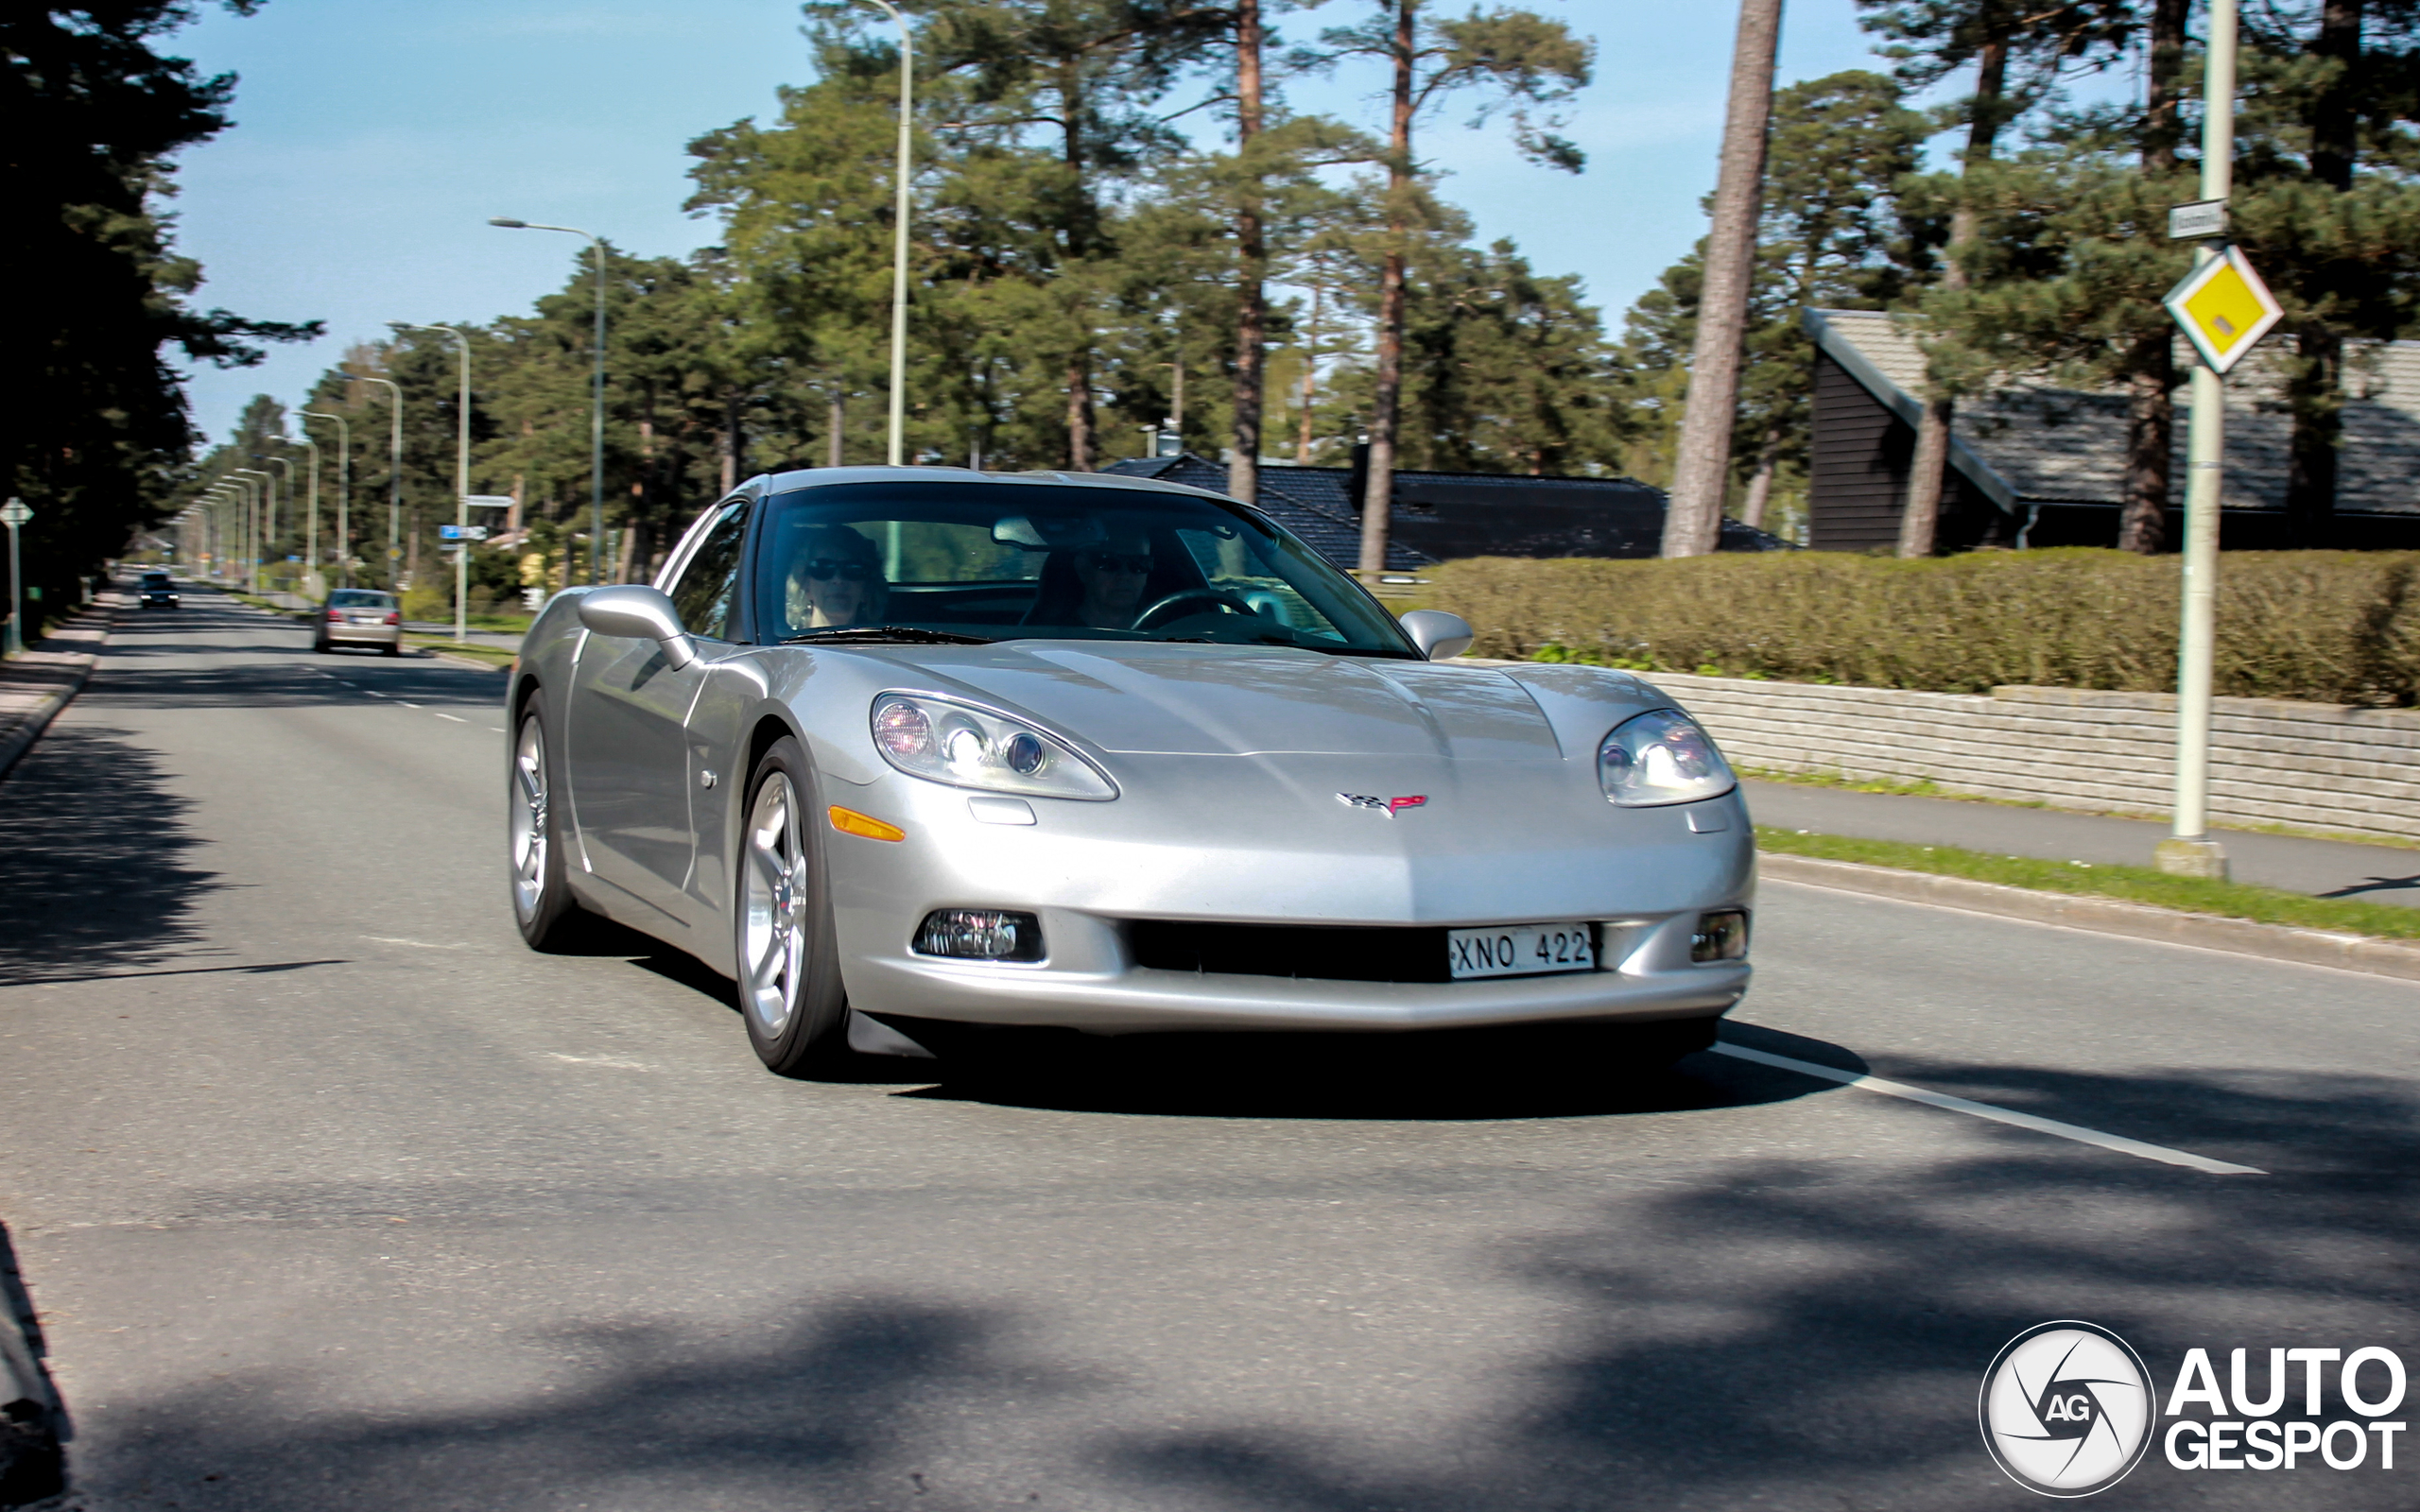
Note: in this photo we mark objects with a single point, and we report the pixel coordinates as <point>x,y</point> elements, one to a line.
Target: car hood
<point>1165,700</point>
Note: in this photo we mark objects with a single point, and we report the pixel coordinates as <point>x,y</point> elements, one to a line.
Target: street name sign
<point>2223,309</point>
<point>488,501</point>
<point>14,513</point>
<point>461,532</point>
<point>2197,221</point>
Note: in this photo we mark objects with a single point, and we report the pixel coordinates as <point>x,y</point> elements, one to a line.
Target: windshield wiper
<point>886,632</point>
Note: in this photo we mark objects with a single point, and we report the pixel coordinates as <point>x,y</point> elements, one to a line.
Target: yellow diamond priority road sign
<point>2224,308</point>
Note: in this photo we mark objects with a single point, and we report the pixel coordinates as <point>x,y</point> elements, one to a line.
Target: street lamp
<point>394,475</point>
<point>311,535</point>
<point>596,392</point>
<point>344,490</point>
<point>899,240</point>
<point>461,480</point>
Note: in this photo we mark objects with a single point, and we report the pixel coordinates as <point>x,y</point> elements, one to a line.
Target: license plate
<point>1520,950</point>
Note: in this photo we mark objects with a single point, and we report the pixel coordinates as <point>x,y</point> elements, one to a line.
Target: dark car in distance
<point>157,591</point>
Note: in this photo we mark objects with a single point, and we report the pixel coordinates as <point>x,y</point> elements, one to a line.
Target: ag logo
<point>2067,1409</point>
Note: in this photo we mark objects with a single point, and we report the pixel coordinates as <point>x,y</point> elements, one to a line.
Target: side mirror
<point>1438,634</point>
<point>633,612</point>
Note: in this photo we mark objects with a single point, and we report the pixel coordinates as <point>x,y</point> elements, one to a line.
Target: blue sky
<point>374,140</point>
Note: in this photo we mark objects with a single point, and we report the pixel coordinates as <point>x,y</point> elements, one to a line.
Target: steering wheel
<point>1217,598</point>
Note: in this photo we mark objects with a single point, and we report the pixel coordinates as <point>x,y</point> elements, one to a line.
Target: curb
<point>2105,915</point>
<point>471,662</point>
<point>21,739</point>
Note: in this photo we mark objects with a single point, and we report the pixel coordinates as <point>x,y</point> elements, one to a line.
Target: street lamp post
<point>596,396</point>
<point>13,514</point>
<point>899,239</point>
<point>2189,850</point>
<point>344,491</point>
<point>461,479</point>
<point>268,537</point>
<point>267,488</point>
<point>394,475</point>
<point>311,526</point>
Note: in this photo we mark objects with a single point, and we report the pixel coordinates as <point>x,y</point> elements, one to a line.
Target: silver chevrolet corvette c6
<point>917,753</point>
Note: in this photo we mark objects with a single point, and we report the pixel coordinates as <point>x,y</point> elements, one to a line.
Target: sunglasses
<point>832,570</point>
<point>1118,561</point>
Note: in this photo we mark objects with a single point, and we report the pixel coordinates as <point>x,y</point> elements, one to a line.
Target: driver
<point>835,579</point>
<point>1112,574</point>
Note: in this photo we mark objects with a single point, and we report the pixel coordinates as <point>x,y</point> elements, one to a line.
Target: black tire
<point>787,960</point>
<point>396,649</point>
<point>320,647</point>
<point>549,917</point>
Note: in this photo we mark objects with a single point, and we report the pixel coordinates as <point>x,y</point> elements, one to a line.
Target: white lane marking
<point>457,719</point>
<point>407,703</point>
<point>374,692</point>
<point>390,940</point>
<point>609,1062</point>
<point>496,730</point>
<point>2003,1115</point>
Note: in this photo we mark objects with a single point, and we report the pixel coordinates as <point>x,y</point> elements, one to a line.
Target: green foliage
<point>2138,885</point>
<point>94,431</point>
<point>2333,627</point>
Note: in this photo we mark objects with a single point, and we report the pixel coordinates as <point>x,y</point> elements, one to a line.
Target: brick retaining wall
<point>2273,761</point>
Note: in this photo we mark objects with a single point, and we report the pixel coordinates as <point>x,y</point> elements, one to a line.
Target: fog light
<point>1721,936</point>
<point>980,935</point>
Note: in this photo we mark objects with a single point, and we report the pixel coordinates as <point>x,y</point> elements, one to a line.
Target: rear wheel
<point>542,901</point>
<point>789,970</point>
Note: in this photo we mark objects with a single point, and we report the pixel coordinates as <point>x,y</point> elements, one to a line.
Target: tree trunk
<point>1311,370</point>
<point>2315,394</point>
<point>1252,271</point>
<point>1079,248</point>
<point>1379,488</point>
<point>1927,474</point>
<point>2151,382</point>
<point>733,443</point>
<point>1702,468</point>
<point>1760,482</point>
<point>1079,413</point>
<point>2150,367</point>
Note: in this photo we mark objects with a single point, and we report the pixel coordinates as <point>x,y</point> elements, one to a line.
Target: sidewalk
<point>37,685</point>
<point>2324,869</point>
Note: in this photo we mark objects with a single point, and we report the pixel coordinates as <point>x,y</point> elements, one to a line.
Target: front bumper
<point>1086,869</point>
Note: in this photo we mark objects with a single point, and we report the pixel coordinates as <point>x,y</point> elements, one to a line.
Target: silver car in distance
<point>914,754</point>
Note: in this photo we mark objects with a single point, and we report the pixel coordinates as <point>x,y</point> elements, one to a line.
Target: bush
<point>2331,626</point>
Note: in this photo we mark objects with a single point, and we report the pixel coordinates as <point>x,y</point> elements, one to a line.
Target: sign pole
<point>2189,850</point>
<point>13,515</point>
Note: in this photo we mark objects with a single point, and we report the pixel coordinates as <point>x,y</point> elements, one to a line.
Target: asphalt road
<point>333,1194</point>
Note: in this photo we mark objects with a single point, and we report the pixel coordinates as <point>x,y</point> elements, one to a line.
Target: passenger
<point>835,580</point>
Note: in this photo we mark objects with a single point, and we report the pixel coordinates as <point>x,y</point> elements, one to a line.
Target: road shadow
<point>96,869</point>
<point>1767,1331</point>
<point>827,1406</point>
<point>1812,1333</point>
<point>1443,1075</point>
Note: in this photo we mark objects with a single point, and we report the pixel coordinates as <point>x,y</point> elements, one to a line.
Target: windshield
<point>359,599</point>
<point>993,562</point>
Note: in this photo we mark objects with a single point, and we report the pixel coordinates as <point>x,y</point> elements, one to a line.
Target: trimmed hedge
<point>2323,625</point>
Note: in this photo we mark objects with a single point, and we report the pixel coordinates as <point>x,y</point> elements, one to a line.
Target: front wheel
<point>789,970</point>
<point>541,901</point>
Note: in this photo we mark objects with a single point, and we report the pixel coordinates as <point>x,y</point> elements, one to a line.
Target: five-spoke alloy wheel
<point>789,979</point>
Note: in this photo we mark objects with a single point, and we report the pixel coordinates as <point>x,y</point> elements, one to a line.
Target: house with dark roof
<point>2036,465</point>
<point>1440,516</point>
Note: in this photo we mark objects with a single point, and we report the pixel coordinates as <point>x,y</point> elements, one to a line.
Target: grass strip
<point>494,655</point>
<point>2134,885</point>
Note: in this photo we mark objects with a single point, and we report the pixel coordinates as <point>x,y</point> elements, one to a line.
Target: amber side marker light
<point>849,821</point>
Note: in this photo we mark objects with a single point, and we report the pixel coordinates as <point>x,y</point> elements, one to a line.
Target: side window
<point>703,594</point>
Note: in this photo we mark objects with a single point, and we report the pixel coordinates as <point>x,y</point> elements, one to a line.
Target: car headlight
<point>966,747</point>
<point>1660,757</point>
